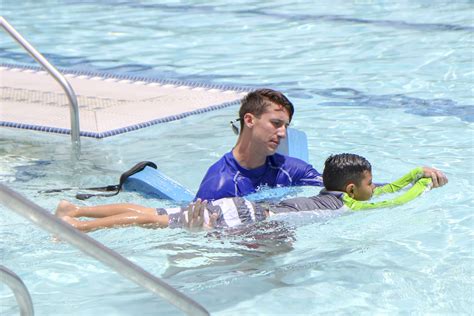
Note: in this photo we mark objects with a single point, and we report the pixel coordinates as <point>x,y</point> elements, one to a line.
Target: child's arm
<point>421,186</point>
<point>399,184</point>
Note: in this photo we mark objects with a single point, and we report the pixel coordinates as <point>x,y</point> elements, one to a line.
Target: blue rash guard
<point>226,178</point>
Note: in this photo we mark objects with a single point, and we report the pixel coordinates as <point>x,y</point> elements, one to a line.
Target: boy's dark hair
<point>342,169</point>
<point>257,101</point>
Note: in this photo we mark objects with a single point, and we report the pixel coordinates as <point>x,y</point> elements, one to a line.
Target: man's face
<point>364,191</point>
<point>270,128</point>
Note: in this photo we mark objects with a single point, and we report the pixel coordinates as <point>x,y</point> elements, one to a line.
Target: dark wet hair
<point>342,169</point>
<point>257,101</point>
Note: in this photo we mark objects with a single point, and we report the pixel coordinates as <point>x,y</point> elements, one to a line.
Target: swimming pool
<point>390,81</point>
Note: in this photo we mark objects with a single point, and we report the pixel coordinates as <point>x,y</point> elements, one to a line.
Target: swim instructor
<point>264,117</point>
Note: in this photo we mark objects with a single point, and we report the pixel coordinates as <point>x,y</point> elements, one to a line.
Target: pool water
<point>389,81</point>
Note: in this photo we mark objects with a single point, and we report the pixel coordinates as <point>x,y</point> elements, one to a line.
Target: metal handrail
<point>19,289</point>
<point>74,108</point>
<point>93,248</point>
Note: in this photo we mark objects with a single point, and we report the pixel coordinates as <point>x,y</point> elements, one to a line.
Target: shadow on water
<point>412,105</point>
<point>291,17</point>
<point>241,250</point>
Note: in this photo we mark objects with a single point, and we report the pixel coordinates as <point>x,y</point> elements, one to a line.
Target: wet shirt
<point>226,178</point>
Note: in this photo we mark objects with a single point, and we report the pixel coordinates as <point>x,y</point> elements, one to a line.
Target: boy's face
<point>364,191</point>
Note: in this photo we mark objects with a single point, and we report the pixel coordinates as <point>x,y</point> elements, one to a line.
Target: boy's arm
<point>421,186</point>
<point>399,184</point>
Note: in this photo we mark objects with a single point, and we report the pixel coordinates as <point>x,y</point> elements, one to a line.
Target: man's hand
<point>195,216</point>
<point>439,178</point>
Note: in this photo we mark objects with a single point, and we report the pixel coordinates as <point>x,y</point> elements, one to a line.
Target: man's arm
<point>206,189</point>
<point>219,180</point>
<point>196,217</point>
<point>302,173</point>
<point>215,187</point>
<point>311,177</point>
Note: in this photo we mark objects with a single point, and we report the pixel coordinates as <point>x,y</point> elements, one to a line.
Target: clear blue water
<point>388,80</point>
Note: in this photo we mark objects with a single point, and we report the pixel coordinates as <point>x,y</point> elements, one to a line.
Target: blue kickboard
<point>295,144</point>
<point>153,182</point>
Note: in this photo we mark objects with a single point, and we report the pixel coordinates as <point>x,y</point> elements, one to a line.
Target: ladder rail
<point>93,248</point>
<point>19,289</point>
<point>74,108</point>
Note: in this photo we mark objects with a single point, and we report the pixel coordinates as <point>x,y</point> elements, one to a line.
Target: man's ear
<point>249,120</point>
<point>350,189</point>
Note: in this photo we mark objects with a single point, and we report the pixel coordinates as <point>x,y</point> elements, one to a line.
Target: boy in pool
<point>348,186</point>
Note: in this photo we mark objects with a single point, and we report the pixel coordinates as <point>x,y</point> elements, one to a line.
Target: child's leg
<point>66,208</point>
<point>122,219</point>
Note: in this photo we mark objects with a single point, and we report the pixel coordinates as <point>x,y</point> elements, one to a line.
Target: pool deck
<point>32,99</point>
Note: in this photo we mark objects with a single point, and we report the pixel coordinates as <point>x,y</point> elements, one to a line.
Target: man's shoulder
<point>218,181</point>
<point>223,167</point>
<point>300,172</point>
<point>280,160</point>
<point>225,162</point>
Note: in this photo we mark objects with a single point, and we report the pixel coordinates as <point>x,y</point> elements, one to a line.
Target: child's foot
<point>70,220</point>
<point>64,209</point>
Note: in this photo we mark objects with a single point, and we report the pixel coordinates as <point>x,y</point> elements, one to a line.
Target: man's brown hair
<point>257,101</point>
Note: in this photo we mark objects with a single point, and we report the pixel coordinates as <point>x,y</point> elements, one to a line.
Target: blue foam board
<point>295,144</point>
<point>153,182</point>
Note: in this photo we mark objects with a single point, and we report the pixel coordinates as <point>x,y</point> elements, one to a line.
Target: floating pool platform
<point>108,105</point>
